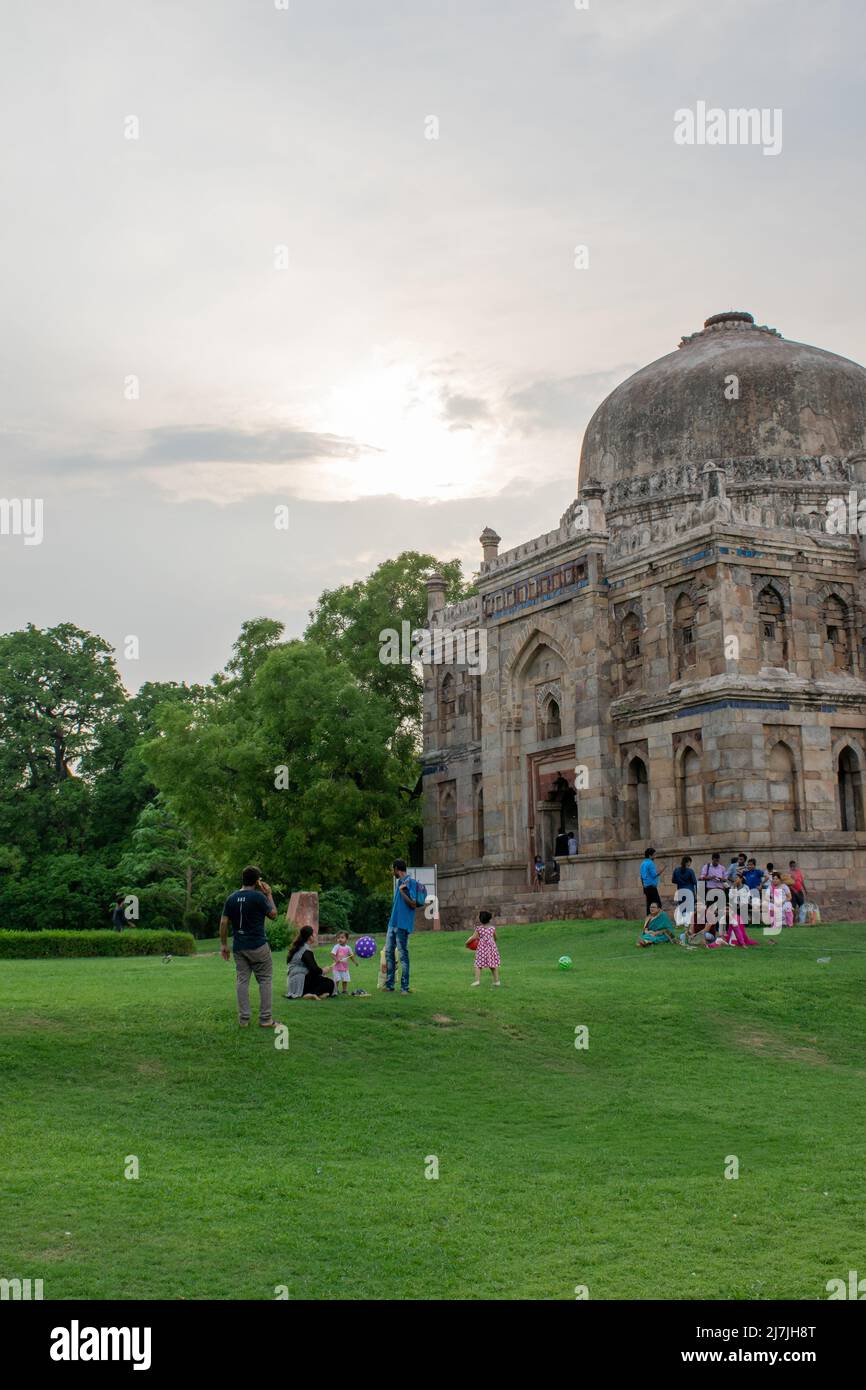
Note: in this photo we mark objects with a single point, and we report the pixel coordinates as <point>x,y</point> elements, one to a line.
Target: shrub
<point>61,891</point>
<point>195,922</point>
<point>161,906</point>
<point>279,932</point>
<point>370,914</point>
<point>33,945</point>
<point>335,907</point>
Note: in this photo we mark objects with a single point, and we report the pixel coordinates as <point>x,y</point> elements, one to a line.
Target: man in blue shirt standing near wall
<point>400,924</point>
<point>649,877</point>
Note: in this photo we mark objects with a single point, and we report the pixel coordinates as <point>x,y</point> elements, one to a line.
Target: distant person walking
<point>649,877</point>
<point>118,915</point>
<point>401,924</point>
<point>245,912</point>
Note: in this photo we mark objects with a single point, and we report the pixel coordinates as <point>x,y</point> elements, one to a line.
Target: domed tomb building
<point>682,661</point>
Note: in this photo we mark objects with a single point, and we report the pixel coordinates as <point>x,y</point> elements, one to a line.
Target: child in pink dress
<point>486,952</point>
<point>342,953</point>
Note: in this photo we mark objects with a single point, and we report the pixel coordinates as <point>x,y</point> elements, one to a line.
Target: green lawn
<point>557,1167</point>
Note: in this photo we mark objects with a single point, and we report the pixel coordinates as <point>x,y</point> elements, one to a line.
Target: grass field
<point>557,1167</point>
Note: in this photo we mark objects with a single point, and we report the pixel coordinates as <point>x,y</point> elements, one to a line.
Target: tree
<point>60,697</point>
<point>347,622</point>
<point>290,763</point>
<point>58,691</point>
<point>171,878</point>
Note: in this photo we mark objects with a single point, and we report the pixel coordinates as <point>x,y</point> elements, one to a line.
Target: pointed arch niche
<point>689,777</point>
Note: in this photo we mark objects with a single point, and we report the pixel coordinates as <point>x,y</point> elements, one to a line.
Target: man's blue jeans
<point>397,936</point>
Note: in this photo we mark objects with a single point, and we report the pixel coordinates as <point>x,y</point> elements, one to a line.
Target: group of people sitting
<point>714,908</point>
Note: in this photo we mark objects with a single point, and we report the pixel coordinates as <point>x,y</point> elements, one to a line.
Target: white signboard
<point>428,878</point>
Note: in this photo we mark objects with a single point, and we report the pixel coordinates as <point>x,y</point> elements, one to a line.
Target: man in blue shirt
<point>245,912</point>
<point>649,877</point>
<point>753,876</point>
<point>400,925</point>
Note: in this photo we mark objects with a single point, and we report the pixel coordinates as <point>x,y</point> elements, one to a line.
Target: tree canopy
<point>300,755</point>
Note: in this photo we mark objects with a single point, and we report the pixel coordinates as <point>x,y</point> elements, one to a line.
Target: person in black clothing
<point>245,912</point>
<point>686,884</point>
<point>118,916</point>
<point>306,978</point>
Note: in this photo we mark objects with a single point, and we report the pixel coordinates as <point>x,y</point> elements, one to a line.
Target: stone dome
<point>795,401</point>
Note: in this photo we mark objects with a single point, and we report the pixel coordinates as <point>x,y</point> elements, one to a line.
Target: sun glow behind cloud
<point>391,430</point>
<point>415,450</point>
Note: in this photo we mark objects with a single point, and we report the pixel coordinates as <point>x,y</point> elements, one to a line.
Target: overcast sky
<point>425,364</point>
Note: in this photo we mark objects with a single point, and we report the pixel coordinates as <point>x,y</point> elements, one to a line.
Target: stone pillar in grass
<point>303,911</point>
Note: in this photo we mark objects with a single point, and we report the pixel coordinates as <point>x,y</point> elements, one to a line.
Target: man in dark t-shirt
<point>118,916</point>
<point>245,912</point>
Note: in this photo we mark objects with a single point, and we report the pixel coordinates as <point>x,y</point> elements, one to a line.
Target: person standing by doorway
<point>649,877</point>
<point>245,912</point>
<point>538,874</point>
<point>401,924</point>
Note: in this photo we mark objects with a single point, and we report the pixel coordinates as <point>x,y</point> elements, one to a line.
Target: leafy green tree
<point>171,878</point>
<point>291,763</point>
<point>60,697</point>
<point>347,621</point>
<point>58,690</point>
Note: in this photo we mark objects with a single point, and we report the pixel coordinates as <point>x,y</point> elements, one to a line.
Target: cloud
<point>217,444</point>
<point>464,411</point>
<point>173,446</point>
<point>562,403</point>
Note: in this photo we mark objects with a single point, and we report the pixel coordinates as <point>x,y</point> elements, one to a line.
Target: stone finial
<point>489,544</point>
<point>435,594</point>
<point>588,510</point>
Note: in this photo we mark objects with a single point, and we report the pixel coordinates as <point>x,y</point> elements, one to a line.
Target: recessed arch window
<point>636,800</point>
<point>685,633</point>
<point>629,637</point>
<point>551,718</point>
<point>837,640</point>
<point>772,627</point>
<point>849,784</point>
<point>448,820</point>
<point>782,789</point>
<point>691,792</point>
<point>448,701</point>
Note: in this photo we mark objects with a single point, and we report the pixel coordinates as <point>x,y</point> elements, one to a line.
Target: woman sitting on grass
<point>306,978</point>
<point>656,929</point>
<point>737,904</point>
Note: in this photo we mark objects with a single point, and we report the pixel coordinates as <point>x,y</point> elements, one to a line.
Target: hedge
<point>29,945</point>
